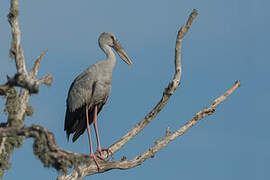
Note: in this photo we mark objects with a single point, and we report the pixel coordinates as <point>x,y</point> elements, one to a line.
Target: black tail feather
<point>75,122</point>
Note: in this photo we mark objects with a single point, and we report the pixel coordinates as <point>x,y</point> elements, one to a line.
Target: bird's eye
<point>112,38</point>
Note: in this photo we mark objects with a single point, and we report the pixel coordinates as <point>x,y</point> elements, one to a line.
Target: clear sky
<point>228,41</point>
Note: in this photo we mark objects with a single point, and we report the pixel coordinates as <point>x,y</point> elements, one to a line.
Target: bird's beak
<point>122,53</point>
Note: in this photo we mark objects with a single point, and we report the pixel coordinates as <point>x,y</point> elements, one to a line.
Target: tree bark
<point>45,148</point>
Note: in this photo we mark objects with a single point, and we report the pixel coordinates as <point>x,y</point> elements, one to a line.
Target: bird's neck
<point>110,57</point>
<point>109,53</point>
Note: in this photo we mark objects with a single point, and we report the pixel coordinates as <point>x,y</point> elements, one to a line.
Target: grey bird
<point>89,92</point>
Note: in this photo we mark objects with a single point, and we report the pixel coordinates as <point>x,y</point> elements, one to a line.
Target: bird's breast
<point>101,92</point>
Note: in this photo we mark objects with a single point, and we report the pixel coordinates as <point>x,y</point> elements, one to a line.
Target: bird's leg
<point>89,137</point>
<point>99,149</point>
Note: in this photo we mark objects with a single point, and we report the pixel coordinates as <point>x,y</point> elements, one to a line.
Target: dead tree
<point>18,89</point>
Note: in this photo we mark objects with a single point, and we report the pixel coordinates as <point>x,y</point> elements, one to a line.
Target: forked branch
<point>45,146</point>
<point>29,83</point>
<point>167,91</point>
<point>17,107</point>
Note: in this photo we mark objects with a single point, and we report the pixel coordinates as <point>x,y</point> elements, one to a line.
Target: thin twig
<point>89,168</point>
<point>16,104</point>
<point>166,94</point>
<point>47,80</point>
<point>45,146</point>
<point>139,159</point>
<point>36,65</point>
<point>152,114</point>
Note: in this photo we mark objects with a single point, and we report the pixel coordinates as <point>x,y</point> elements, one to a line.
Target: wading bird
<point>89,92</point>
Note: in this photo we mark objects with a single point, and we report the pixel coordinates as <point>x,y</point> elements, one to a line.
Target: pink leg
<point>99,149</point>
<point>96,130</point>
<point>89,137</point>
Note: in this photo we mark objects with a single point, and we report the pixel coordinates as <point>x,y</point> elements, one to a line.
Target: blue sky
<point>228,41</point>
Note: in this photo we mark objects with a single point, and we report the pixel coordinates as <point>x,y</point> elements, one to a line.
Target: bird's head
<point>109,39</point>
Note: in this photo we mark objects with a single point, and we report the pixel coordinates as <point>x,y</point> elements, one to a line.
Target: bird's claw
<point>94,156</point>
<point>99,152</point>
<point>99,155</point>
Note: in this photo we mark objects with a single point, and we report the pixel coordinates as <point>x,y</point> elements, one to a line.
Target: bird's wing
<point>80,91</point>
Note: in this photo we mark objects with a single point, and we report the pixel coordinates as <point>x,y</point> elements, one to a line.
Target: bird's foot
<point>94,156</point>
<point>100,150</point>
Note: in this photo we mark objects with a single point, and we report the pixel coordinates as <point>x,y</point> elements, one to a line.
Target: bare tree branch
<point>47,80</point>
<point>16,51</point>
<point>36,65</point>
<point>45,147</point>
<point>167,91</point>
<point>17,107</point>
<point>27,82</point>
<point>22,79</point>
<point>84,170</point>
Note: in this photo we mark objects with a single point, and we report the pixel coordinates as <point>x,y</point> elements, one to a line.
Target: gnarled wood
<point>45,147</point>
